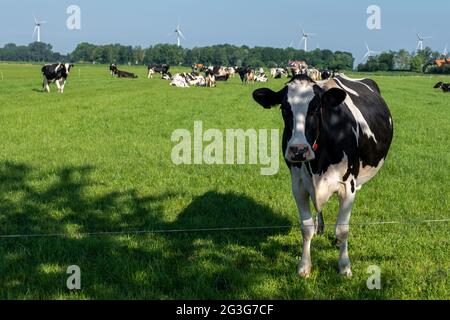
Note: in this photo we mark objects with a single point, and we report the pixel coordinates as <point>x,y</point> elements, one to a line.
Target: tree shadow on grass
<point>213,264</point>
<point>173,265</point>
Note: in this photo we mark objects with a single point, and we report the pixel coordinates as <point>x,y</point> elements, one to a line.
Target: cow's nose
<point>299,153</point>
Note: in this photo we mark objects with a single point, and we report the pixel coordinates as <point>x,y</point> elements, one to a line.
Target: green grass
<point>97,158</point>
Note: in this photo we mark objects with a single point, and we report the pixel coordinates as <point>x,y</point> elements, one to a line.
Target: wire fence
<point>205,230</point>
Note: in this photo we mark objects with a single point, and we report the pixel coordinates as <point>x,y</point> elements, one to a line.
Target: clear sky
<point>340,25</point>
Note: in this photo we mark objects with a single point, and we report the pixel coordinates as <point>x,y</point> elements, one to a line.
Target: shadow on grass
<point>190,265</point>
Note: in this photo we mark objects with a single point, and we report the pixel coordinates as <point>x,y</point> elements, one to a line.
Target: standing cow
<point>336,138</point>
<point>56,73</point>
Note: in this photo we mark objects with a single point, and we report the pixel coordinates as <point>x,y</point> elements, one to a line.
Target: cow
<point>325,74</point>
<point>336,138</point>
<point>444,86</point>
<point>179,80</point>
<point>163,69</point>
<point>231,71</point>
<point>124,74</point>
<point>56,73</point>
<point>314,74</point>
<point>210,79</point>
<point>112,69</point>
<point>246,74</point>
<point>261,76</point>
<point>278,73</point>
<point>298,67</point>
<point>198,67</point>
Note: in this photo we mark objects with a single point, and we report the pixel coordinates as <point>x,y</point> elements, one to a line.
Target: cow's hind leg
<point>342,231</point>
<point>302,197</point>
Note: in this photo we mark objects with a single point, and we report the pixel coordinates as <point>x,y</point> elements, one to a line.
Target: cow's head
<point>302,101</point>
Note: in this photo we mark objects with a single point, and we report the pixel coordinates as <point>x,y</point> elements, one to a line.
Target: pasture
<point>97,159</point>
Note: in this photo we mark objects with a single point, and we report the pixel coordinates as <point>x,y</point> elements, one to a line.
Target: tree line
<point>402,60</point>
<point>223,55</point>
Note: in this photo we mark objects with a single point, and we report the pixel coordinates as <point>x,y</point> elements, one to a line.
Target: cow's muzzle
<point>300,153</point>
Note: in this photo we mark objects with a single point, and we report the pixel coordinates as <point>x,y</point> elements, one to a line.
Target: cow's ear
<point>333,97</point>
<point>268,98</point>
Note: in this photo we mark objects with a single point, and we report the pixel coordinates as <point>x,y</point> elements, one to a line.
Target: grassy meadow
<point>98,159</point>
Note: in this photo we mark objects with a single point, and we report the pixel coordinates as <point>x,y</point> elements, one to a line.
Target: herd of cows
<point>201,75</point>
<point>208,76</point>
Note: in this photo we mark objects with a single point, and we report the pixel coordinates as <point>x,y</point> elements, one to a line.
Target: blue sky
<point>341,25</point>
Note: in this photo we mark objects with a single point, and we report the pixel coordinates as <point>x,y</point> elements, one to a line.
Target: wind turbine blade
<point>367,46</point>
<point>34,32</point>
<point>426,38</point>
<point>181,34</point>
<point>41,22</point>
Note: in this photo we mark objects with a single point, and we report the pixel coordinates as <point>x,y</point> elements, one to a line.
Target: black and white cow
<point>163,69</point>
<point>57,73</point>
<point>336,138</point>
<point>443,86</point>
<point>113,69</point>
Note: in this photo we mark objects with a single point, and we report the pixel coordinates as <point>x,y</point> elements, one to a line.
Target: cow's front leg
<point>45,85</point>
<point>58,85</point>
<point>342,230</point>
<point>301,197</point>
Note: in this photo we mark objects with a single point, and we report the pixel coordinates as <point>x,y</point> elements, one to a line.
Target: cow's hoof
<point>304,271</point>
<point>345,271</point>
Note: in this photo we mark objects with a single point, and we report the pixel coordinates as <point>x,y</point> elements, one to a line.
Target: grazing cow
<point>163,69</point>
<point>444,86</point>
<point>336,138</point>
<point>56,73</point>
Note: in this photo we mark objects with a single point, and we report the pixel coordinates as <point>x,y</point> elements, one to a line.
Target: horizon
<point>205,23</point>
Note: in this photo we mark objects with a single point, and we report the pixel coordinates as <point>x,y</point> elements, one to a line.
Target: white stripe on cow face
<point>300,94</point>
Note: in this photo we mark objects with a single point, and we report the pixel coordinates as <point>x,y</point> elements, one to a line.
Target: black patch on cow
<point>352,184</point>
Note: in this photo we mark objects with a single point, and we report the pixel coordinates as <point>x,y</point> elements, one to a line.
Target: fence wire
<point>205,230</point>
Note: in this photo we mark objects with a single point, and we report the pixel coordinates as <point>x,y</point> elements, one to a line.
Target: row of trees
<point>35,51</point>
<point>421,61</point>
<point>225,55</point>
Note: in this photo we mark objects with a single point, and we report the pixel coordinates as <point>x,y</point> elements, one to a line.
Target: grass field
<point>97,158</point>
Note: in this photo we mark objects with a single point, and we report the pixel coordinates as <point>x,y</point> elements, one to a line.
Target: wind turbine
<point>37,28</point>
<point>420,43</point>
<point>369,53</point>
<point>445,53</point>
<point>179,34</point>
<point>305,38</point>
